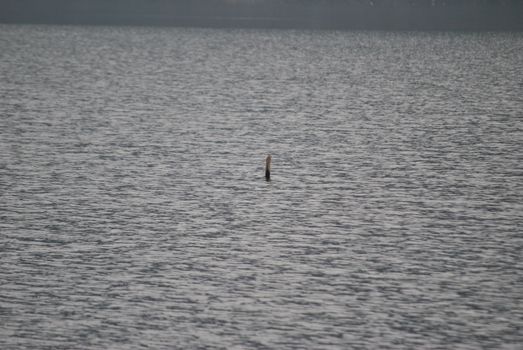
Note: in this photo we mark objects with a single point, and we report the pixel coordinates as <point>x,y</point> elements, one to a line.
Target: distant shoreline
<point>336,14</point>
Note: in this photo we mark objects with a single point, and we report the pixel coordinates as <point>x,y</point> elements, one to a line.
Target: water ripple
<point>134,212</point>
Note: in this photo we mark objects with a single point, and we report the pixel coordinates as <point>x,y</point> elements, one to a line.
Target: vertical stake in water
<point>268,168</point>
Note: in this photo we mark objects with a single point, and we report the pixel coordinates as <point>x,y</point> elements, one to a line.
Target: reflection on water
<point>134,210</point>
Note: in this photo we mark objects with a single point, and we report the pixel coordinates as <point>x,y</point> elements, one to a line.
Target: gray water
<point>134,212</point>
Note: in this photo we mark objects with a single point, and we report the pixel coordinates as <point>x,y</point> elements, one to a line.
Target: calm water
<point>134,212</point>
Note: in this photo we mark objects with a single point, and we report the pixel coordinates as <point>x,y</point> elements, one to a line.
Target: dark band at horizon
<point>334,14</point>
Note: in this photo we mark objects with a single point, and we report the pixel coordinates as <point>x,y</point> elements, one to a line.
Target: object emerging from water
<point>268,168</point>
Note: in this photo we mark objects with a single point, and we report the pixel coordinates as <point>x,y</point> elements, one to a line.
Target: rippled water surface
<point>134,212</point>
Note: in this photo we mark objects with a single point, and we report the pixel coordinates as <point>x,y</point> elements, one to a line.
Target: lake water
<point>134,212</point>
